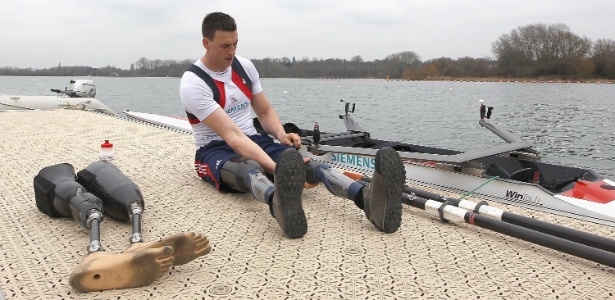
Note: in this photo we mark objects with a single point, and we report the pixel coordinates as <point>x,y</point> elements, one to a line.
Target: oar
<point>446,211</point>
<point>483,208</point>
<point>449,212</point>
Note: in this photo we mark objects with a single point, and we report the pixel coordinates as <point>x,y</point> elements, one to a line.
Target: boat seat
<point>395,145</point>
<point>523,175</point>
<point>292,128</point>
<point>364,144</point>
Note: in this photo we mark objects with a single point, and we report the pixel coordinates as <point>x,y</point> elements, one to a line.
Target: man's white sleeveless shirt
<point>197,98</point>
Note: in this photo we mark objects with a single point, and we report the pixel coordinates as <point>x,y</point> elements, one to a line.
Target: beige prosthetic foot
<point>186,245</point>
<point>105,271</point>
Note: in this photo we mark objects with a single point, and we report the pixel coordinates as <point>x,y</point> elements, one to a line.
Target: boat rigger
<point>511,173</point>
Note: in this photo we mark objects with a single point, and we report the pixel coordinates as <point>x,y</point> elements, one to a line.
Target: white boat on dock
<point>79,94</point>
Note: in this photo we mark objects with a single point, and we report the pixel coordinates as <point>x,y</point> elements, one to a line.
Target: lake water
<point>568,123</point>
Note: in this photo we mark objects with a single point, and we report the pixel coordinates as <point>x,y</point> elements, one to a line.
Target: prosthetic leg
<point>381,200</point>
<point>283,196</point>
<point>58,194</point>
<point>123,201</point>
<point>121,196</point>
<point>245,175</point>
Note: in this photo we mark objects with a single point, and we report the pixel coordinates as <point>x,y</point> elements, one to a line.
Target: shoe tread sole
<point>289,180</point>
<point>393,178</point>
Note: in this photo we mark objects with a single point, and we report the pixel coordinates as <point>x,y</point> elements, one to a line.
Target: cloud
<point>41,34</point>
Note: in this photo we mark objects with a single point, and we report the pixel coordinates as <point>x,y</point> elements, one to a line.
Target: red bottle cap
<point>106,144</point>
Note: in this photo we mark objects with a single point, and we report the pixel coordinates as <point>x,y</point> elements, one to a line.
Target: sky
<point>42,33</point>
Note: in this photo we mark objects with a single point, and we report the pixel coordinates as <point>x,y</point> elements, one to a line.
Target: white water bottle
<point>106,151</point>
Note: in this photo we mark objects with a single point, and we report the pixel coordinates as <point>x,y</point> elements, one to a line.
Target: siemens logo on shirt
<point>237,107</point>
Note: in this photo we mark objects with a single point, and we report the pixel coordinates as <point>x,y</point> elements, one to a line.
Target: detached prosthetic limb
<point>58,194</point>
<point>381,200</point>
<point>283,196</point>
<point>123,201</point>
<point>121,196</point>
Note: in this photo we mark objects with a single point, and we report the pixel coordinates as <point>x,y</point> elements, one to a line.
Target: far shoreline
<point>445,79</point>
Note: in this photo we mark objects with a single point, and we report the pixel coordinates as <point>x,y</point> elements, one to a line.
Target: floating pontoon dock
<point>341,257</point>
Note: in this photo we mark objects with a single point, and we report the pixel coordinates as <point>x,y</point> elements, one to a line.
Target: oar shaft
<point>570,234</point>
<point>452,213</point>
<point>579,250</point>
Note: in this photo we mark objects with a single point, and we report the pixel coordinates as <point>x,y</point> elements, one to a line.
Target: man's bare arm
<point>271,121</point>
<point>222,124</point>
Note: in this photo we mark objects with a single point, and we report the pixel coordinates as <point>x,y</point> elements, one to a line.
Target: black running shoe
<point>382,198</point>
<point>289,179</point>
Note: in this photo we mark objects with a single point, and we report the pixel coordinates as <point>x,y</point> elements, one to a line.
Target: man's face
<point>221,50</point>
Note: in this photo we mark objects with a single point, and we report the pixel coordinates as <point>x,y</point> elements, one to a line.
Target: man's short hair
<point>217,21</point>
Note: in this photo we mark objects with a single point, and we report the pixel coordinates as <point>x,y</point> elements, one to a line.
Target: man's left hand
<point>291,139</point>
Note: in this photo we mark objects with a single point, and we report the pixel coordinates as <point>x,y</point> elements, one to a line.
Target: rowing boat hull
<point>158,120</point>
<point>523,194</point>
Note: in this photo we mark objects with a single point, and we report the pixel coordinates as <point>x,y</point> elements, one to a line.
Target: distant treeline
<point>531,51</point>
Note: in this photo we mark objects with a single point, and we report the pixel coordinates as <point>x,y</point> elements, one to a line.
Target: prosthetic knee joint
<point>245,175</point>
<point>336,182</point>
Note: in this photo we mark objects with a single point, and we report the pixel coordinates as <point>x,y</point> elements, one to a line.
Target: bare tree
<point>540,43</point>
<point>357,59</point>
<point>406,58</point>
<point>603,55</point>
<point>548,49</point>
<point>397,63</point>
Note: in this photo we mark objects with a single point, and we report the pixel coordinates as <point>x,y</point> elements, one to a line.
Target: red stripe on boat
<point>599,191</point>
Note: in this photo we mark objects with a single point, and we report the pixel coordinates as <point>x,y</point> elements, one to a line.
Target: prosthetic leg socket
<point>117,191</point>
<point>58,194</point>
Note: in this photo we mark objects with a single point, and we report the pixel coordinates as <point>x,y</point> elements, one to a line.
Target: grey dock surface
<point>342,256</point>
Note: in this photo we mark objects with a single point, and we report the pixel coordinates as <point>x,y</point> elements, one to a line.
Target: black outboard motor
<point>121,196</point>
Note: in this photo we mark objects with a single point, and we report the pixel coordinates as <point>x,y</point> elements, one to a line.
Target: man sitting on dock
<point>219,92</point>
